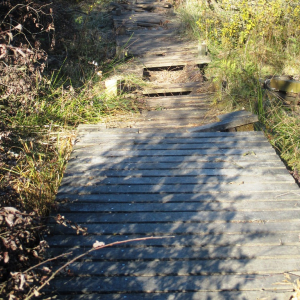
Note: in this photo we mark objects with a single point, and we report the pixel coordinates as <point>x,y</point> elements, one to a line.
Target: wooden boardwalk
<point>225,199</point>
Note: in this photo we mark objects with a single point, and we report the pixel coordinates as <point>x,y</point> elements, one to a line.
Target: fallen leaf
<point>98,244</point>
<point>6,257</point>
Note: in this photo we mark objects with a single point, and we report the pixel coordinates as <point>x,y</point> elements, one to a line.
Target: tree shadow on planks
<point>226,199</point>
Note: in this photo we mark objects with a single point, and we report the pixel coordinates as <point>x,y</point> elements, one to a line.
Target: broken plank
<point>225,124</point>
<point>238,114</point>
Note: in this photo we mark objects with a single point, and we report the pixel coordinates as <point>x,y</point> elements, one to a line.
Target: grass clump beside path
<point>38,122</point>
<point>249,41</point>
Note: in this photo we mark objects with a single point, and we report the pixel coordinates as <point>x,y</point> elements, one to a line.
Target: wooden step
<point>202,100</point>
<point>175,114</point>
<point>174,60</point>
<point>160,44</point>
<point>173,88</point>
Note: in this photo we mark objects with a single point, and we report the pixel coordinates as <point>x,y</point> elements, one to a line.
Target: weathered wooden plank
<point>175,114</point>
<point>113,134</point>
<point>234,175</point>
<point>169,123</point>
<point>183,207</point>
<point>148,6</point>
<point>227,121</point>
<point>185,188</point>
<point>168,129</point>
<point>202,216</point>
<point>203,97</point>
<point>237,114</point>
<point>182,228</point>
<point>167,40</point>
<point>161,40</point>
<point>193,197</point>
<point>127,17</point>
<point>209,252</point>
<point>171,165</point>
<point>157,61</point>
<point>82,138</point>
<point>84,152</point>
<point>178,159</point>
<point>183,268</point>
<point>172,88</point>
<point>94,164</point>
<point>172,51</point>
<point>183,295</point>
<point>103,138</point>
<point>179,141</point>
<point>167,147</point>
<point>234,240</point>
<point>162,46</point>
<point>170,61</point>
<point>130,180</point>
<point>177,102</point>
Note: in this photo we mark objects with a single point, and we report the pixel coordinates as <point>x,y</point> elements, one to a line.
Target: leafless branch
<point>101,246</point>
<point>50,259</point>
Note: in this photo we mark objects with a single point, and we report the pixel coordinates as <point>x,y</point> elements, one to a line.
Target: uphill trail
<point>225,200</point>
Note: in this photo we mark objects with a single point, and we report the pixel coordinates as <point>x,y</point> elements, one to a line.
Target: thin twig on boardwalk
<point>96,246</point>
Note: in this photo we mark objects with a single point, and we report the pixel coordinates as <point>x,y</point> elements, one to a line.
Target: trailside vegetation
<point>54,57</point>
<point>251,41</point>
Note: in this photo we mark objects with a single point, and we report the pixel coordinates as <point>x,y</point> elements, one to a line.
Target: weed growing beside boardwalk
<point>249,41</point>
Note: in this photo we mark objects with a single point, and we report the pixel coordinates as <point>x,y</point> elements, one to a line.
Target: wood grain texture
<point>205,295</point>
